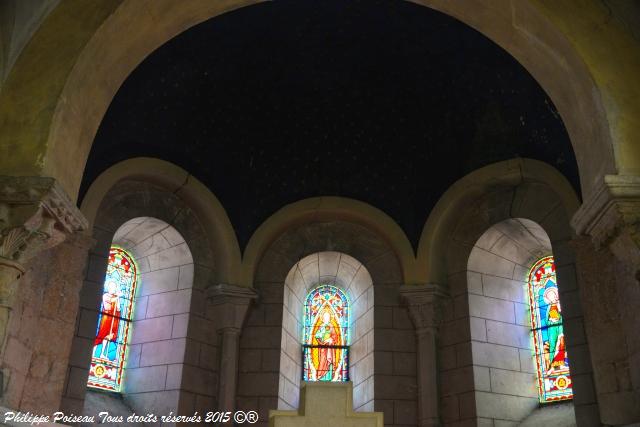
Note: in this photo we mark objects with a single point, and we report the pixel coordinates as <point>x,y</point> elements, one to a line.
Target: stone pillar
<point>228,306</point>
<point>424,306</point>
<point>609,270</point>
<point>35,216</point>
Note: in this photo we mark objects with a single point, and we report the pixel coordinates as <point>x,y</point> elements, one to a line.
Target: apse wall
<point>155,358</point>
<point>504,374</point>
<point>351,277</point>
<point>161,313</point>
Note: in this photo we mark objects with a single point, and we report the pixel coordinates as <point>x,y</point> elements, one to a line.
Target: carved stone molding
<point>35,214</point>
<point>425,308</point>
<point>614,209</point>
<point>424,304</point>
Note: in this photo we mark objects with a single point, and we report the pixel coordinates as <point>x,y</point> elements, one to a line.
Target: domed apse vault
<point>386,102</point>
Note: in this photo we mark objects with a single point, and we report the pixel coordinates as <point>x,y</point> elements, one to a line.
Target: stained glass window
<point>114,322</point>
<point>552,363</point>
<point>326,335</point>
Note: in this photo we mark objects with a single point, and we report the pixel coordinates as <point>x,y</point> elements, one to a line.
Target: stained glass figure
<point>326,335</point>
<point>114,322</point>
<point>552,362</point>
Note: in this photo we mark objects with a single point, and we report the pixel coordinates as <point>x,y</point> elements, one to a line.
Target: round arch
<point>524,179</point>
<point>50,122</point>
<point>322,209</point>
<point>462,248</point>
<point>221,238</point>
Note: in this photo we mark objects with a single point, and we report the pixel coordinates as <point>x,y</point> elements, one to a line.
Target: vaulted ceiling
<point>381,101</point>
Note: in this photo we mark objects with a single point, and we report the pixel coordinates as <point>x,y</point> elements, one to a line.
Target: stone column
<point>35,215</point>
<point>423,302</point>
<point>609,269</point>
<point>228,307</point>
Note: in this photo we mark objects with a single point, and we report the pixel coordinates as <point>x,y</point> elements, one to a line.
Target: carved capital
<point>229,304</point>
<point>35,214</point>
<point>613,210</point>
<point>424,304</point>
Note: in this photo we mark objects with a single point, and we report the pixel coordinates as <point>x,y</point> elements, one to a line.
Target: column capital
<point>35,214</point>
<point>229,305</point>
<point>613,209</point>
<point>423,302</point>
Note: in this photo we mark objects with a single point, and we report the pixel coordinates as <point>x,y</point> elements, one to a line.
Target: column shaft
<point>227,382</point>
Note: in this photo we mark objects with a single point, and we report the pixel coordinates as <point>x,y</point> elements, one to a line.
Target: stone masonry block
<point>151,378</point>
<point>159,281</point>
<point>394,340</point>
<point>174,376</point>
<point>258,384</point>
<point>186,276</point>
<point>457,381</point>
<point>395,387</point>
<point>163,352</point>
<point>514,383</point>
<point>155,329</point>
<point>502,406</point>
<point>171,257</point>
<point>508,334</point>
<point>495,356</point>
<point>478,329</point>
<point>177,302</point>
<point>481,378</point>
<point>486,262</point>
<point>491,308</point>
<point>405,412</point>
<point>404,363</point>
<point>502,288</point>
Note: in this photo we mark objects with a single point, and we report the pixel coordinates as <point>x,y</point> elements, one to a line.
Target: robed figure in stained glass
<point>552,363</point>
<point>554,350</point>
<point>114,322</point>
<point>109,319</point>
<point>325,335</point>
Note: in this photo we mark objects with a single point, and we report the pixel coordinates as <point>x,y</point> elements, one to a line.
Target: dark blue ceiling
<point>381,101</point>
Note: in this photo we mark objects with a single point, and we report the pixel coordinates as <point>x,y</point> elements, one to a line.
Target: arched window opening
<point>114,322</point>
<point>552,363</point>
<point>326,335</point>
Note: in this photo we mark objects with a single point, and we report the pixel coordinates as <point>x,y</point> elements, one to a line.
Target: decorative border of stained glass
<point>114,322</point>
<point>550,354</point>
<point>326,337</point>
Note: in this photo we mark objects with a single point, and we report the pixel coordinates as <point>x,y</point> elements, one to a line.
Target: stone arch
<point>554,44</point>
<point>319,209</point>
<point>216,226</point>
<point>154,206</point>
<point>314,231</point>
<point>523,179</point>
<point>537,196</point>
<point>351,277</point>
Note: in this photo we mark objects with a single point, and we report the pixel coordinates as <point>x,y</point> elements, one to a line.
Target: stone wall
<point>41,325</point>
<point>172,291</point>
<point>392,389</point>
<point>157,346</point>
<point>487,368</point>
<point>349,275</point>
<point>157,354</point>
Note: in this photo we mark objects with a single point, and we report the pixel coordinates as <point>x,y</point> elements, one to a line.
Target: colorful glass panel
<point>326,335</point>
<point>552,362</point>
<point>114,322</point>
